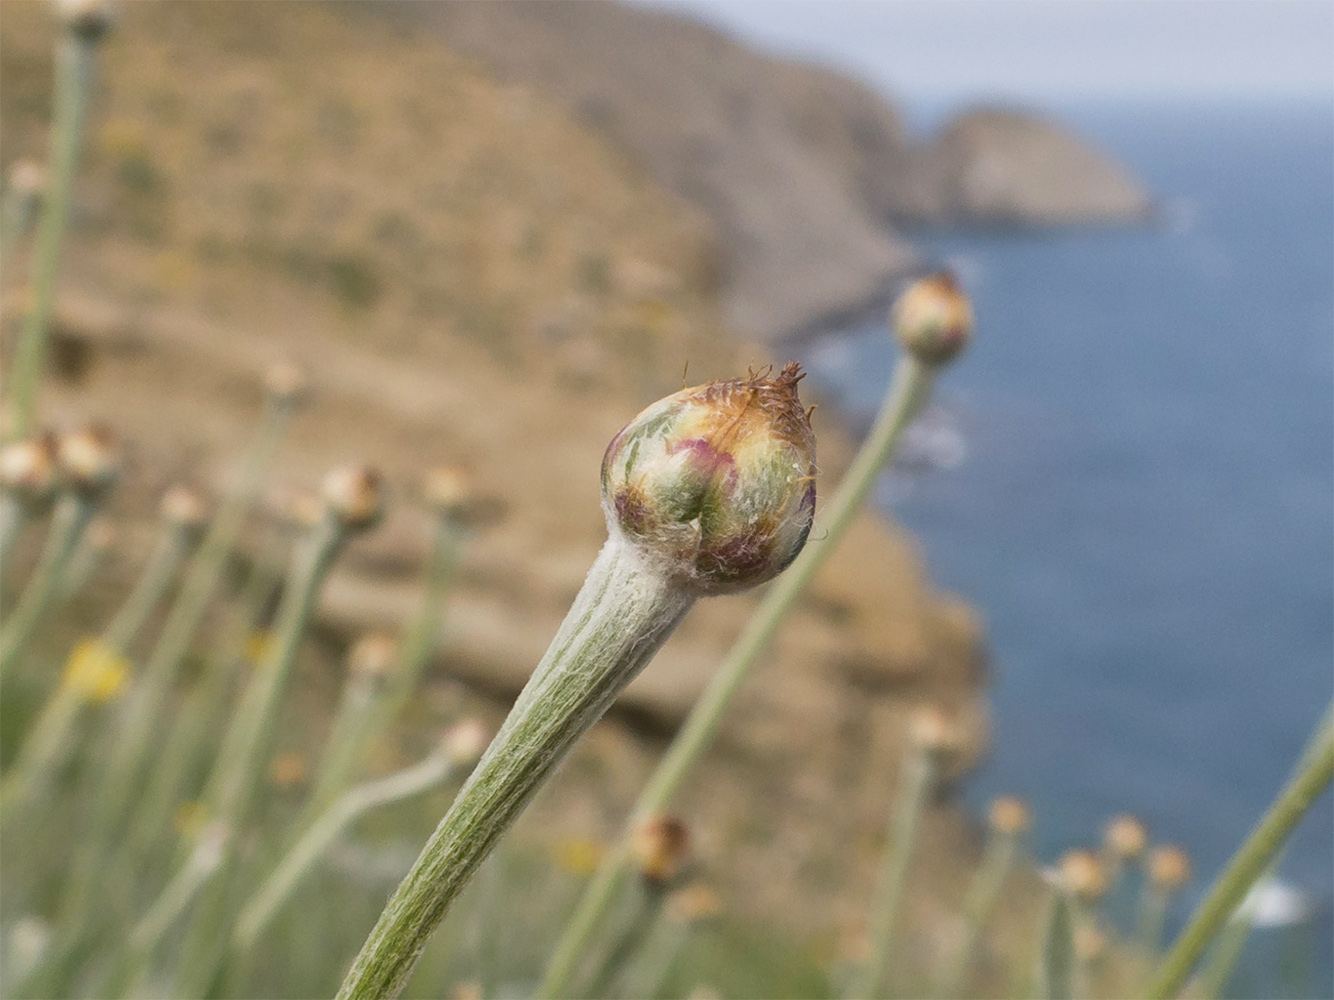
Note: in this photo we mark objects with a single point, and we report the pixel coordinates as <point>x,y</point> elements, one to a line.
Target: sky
<point>951,50</point>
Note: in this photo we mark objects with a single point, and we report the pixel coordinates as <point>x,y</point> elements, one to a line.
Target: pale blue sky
<point>1051,49</point>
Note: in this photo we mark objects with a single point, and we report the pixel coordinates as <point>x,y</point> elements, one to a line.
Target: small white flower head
<point>716,484</point>
<point>1009,815</point>
<point>1125,837</point>
<point>466,741</point>
<point>89,460</point>
<point>286,384</point>
<point>1169,867</point>
<point>87,19</point>
<point>933,319</point>
<point>355,495</point>
<point>1083,874</point>
<point>28,470</point>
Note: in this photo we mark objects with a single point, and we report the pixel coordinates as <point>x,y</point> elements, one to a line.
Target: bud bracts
<point>933,319</point>
<point>716,483</point>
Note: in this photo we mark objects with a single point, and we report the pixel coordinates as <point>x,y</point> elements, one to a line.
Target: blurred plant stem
<point>75,63</point>
<point>648,901</point>
<point>1247,865</point>
<point>72,513</point>
<point>1058,962</point>
<point>910,387</point>
<point>983,894</point>
<point>237,779</point>
<point>51,738</point>
<point>622,615</point>
<point>917,781</point>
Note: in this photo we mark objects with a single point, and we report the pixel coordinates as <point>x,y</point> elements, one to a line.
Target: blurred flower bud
<point>27,178</point>
<point>355,495</point>
<point>1125,837</point>
<point>89,460</point>
<point>1169,867</point>
<point>693,903</point>
<point>184,508</point>
<point>447,490</point>
<point>1084,875</point>
<point>286,384</point>
<point>660,846</point>
<point>1009,815</point>
<point>28,470</point>
<point>1090,941</point>
<point>289,768</point>
<point>466,741</point>
<point>88,19</point>
<point>715,484</point>
<point>933,731</point>
<point>373,656</point>
<point>933,319</point>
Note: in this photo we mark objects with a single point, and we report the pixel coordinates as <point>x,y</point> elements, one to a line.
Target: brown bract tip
<point>660,846</point>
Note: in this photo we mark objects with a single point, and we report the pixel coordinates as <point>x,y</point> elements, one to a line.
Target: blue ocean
<point>1130,475</point>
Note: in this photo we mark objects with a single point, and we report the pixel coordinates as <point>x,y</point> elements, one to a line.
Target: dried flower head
<point>660,846</point>
<point>88,19</point>
<point>373,656</point>
<point>933,319</point>
<point>1169,867</point>
<point>447,489</point>
<point>89,460</point>
<point>716,484</point>
<point>1009,815</point>
<point>1084,874</point>
<point>184,508</point>
<point>466,741</point>
<point>28,469</point>
<point>27,177</point>
<point>355,495</point>
<point>1125,837</point>
<point>286,384</point>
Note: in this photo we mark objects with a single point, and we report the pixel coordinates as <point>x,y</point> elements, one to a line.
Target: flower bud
<point>693,903</point>
<point>28,470</point>
<point>466,741</point>
<point>1125,837</point>
<point>27,178</point>
<point>716,484</point>
<point>184,508</point>
<point>1084,875</point>
<point>373,657</point>
<point>355,495</point>
<point>933,319</point>
<point>286,384</point>
<point>934,732</point>
<point>89,460</point>
<point>1009,815</point>
<point>447,490</point>
<point>1169,867</point>
<point>660,845</point>
<point>88,19</point>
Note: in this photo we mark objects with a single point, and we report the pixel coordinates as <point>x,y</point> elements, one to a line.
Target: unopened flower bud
<point>1090,941</point>
<point>447,490</point>
<point>1125,837</point>
<point>286,384</point>
<point>466,741</point>
<point>184,508</point>
<point>373,657</point>
<point>660,847</point>
<point>27,178</point>
<point>28,470</point>
<point>88,19</point>
<point>715,484</point>
<point>933,731</point>
<point>355,494</point>
<point>1084,875</point>
<point>89,460</point>
<point>933,319</point>
<point>1009,815</point>
<point>693,903</point>
<point>1169,867</point>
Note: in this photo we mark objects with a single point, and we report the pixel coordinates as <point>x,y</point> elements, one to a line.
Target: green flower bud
<point>933,319</point>
<point>716,483</point>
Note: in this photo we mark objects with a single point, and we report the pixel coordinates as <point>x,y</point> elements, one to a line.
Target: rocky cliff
<point>804,171</point>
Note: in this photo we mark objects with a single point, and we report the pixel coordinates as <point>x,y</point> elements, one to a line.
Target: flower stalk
<point>933,321</point>
<point>707,491</point>
<point>1246,866</point>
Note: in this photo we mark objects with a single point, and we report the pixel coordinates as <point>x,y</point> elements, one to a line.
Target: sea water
<point>1129,475</point>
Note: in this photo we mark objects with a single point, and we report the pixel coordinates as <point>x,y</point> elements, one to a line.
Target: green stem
<point>74,70</point>
<point>315,842</point>
<point>979,904</point>
<point>623,614</point>
<point>71,517</point>
<point>1246,866</point>
<point>903,823</point>
<point>1058,965</point>
<point>909,389</point>
<point>352,727</point>
<point>14,514</point>
<point>17,211</point>
<point>648,904</point>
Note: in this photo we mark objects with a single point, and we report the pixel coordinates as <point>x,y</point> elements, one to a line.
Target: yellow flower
<point>581,857</point>
<point>95,672</point>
